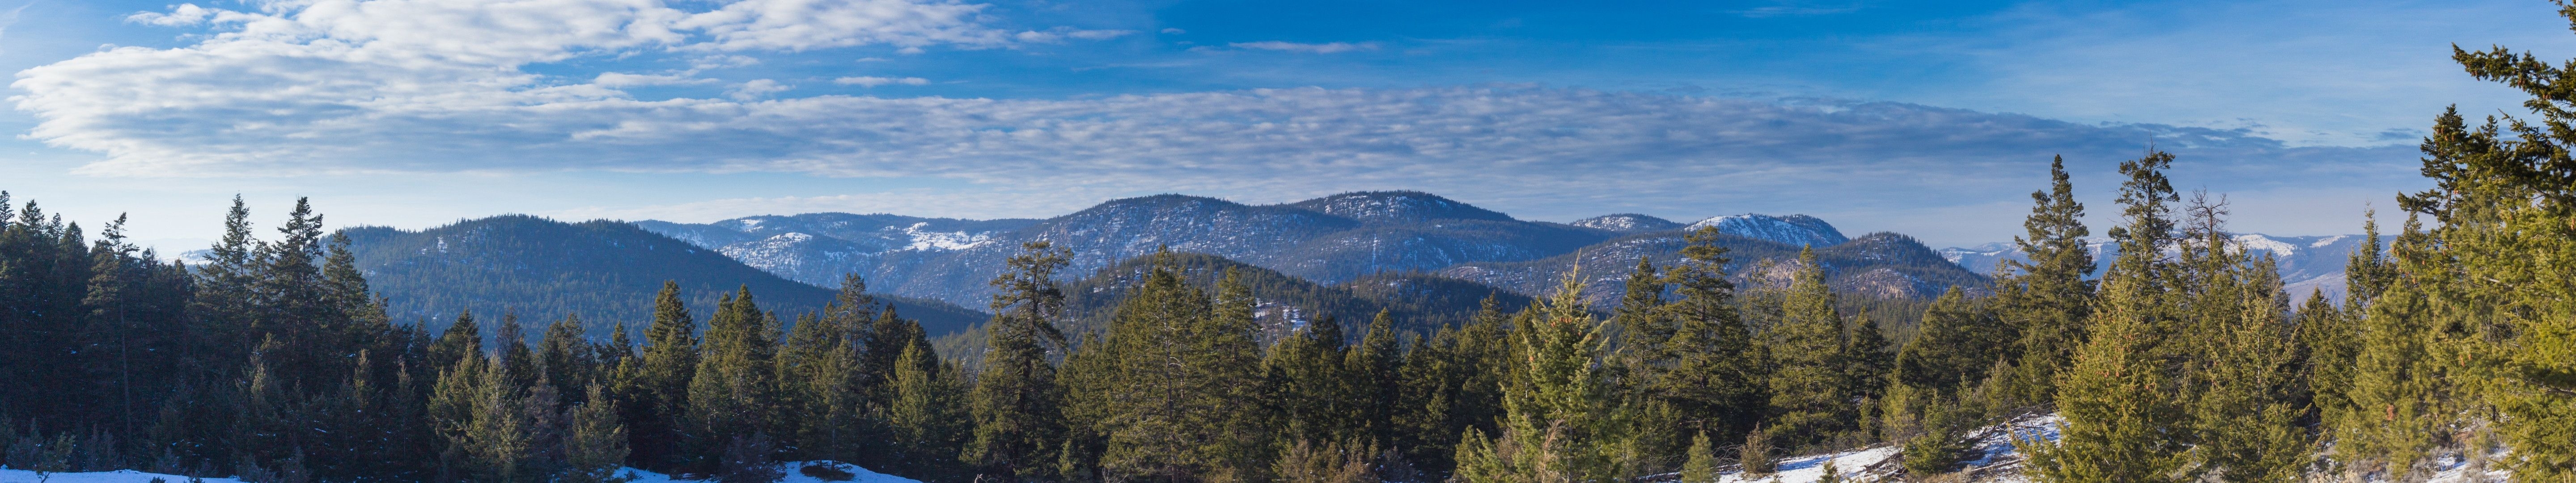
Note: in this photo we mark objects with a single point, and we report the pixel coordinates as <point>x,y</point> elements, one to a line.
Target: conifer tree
<point>1372,367</point>
<point>463,339</point>
<point>927,420</point>
<point>1955,342</point>
<point>1701,465</point>
<point>1811,396</point>
<point>595,445</point>
<point>733,395</point>
<point>1016,400</point>
<point>656,391</point>
<point>2240,357</point>
<point>2124,421</point>
<point>1716,380</point>
<point>1314,393</point>
<point>2046,299</point>
<point>1563,420</point>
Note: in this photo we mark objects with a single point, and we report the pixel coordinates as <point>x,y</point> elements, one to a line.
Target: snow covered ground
<point>118,476</point>
<point>794,475</point>
<point>1997,460</point>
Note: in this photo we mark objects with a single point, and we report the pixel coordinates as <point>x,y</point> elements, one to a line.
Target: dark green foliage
<point>1016,400</point>
<point>1955,344</point>
<point>2047,298</point>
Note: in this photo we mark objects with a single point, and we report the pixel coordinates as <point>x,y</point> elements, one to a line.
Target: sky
<point>1930,118</point>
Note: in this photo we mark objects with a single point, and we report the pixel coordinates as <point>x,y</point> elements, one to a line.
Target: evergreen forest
<point>2185,361</point>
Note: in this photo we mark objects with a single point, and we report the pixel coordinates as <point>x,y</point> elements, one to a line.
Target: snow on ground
<point>118,476</point>
<point>1997,461</point>
<point>861,475</point>
<point>1807,469</point>
<point>793,468</point>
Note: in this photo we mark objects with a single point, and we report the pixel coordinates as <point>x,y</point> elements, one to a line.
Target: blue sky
<point>1928,118</point>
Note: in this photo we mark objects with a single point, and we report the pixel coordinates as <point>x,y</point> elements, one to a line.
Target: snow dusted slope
<point>1794,230</point>
<point>1627,223</point>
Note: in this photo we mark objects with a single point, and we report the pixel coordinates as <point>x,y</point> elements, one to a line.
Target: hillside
<point>1418,302</point>
<point>1330,240</point>
<point>603,271</point>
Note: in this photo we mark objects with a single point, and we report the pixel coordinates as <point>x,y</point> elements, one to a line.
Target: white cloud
<point>757,89</point>
<point>871,81</point>
<point>1175,31</point>
<point>620,79</point>
<point>182,15</point>
<point>1323,48</point>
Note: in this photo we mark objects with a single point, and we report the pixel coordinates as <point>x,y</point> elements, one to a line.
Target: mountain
<point>2307,263</point>
<point>1627,223</point>
<point>603,271</point>
<point>1328,240</point>
<point>1792,230</point>
<point>1878,265</point>
<point>1418,302</point>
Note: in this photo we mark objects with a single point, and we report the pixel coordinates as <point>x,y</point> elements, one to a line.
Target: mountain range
<point>1326,240</point>
<point>1422,256</point>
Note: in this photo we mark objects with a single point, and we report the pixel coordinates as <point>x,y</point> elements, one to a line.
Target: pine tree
<point>2248,394</point>
<point>1716,380</point>
<point>2505,210</point>
<point>1563,420</point>
<point>655,390</point>
<point>2123,419</point>
<point>595,445</point>
<point>734,394</point>
<point>1811,397</point>
<point>1955,342</point>
<point>1701,465</point>
<point>463,339</point>
<point>2046,299</point>
<point>1016,400</point>
<point>927,419</point>
<point>1372,369</point>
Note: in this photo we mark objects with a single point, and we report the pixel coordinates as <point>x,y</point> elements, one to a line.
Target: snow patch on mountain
<point>1795,230</point>
<point>1626,223</point>
<point>926,240</point>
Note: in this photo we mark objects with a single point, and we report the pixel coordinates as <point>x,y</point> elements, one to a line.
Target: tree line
<point>2184,361</point>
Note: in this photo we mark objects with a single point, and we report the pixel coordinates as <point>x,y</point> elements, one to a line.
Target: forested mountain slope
<point>1329,240</point>
<point>1418,302</point>
<point>602,271</point>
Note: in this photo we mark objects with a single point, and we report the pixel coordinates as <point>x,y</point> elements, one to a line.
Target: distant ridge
<point>605,272</point>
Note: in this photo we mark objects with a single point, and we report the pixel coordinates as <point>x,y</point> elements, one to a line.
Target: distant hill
<point>1877,265</point>
<point>1418,302</point>
<point>1329,240</point>
<point>603,271</point>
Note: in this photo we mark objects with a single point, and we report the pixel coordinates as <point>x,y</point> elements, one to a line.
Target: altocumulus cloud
<point>341,86</point>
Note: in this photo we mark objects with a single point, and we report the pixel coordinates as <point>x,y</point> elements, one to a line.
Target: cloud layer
<point>444,86</point>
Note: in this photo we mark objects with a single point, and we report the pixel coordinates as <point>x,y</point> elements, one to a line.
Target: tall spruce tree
<point>1811,396</point>
<point>733,396</point>
<point>1563,420</point>
<point>1717,377</point>
<point>2124,421</point>
<point>1016,399</point>
<point>2047,299</point>
<point>655,393</point>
